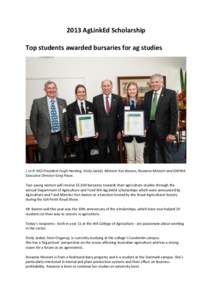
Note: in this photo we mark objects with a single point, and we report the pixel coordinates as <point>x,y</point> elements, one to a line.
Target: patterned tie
<point>107,105</point>
<point>153,107</point>
<point>54,118</point>
<point>82,108</point>
<point>132,105</point>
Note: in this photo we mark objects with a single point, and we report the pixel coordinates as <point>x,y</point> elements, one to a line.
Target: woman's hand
<point>118,135</point>
<point>76,138</point>
<point>97,135</point>
<point>144,132</point>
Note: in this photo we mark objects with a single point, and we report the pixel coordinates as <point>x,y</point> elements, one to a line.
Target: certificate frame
<point>132,120</point>
<point>85,126</point>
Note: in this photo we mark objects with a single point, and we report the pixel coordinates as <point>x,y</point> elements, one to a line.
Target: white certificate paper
<point>134,123</point>
<point>85,126</point>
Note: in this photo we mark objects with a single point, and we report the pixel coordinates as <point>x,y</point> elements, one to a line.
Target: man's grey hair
<point>156,75</point>
<point>48,83</point>
<point>106,80</point>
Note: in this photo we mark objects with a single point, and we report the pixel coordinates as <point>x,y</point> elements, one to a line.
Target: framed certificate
<point>134,123</point>
<point>85,126</point>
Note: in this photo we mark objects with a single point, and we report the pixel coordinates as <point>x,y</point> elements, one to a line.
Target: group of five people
<point>53,123</point>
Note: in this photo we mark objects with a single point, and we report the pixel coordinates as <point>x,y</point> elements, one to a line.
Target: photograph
<point>76,110</point>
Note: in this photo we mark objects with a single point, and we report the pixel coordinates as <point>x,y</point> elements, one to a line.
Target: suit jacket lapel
<point>138,106</point>
<point>102,104</point>
<point>160,99</point>
<point>87,106</point>
<point>46,109</point>
<point>149,103</point>
<point>113,100</point>
<point>76,108</point>
<point>60,111</point>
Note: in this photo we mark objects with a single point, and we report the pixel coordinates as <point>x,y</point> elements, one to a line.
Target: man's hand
<point>76,138</point>
<point>170,138</point>
<point>118,135</point>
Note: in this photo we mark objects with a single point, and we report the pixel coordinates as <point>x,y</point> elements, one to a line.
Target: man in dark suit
<point>80,106</point>
<point>161,118</point>
<point>48,121</point>
<point>108,109</point>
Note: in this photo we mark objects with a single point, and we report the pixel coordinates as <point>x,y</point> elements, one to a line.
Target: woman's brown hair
<point>80,86</point>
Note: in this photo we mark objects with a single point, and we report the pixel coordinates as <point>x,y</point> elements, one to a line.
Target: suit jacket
<point>108,125</point>
<point>72,111</point>
<point>41,124</point>
<point>166,117</point>
<point>139,107</point>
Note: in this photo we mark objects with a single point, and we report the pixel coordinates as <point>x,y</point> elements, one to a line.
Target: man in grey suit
<point>161,118</point>
<point>48,121</point>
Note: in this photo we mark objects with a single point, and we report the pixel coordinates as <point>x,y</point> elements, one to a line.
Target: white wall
<point>90,71</point>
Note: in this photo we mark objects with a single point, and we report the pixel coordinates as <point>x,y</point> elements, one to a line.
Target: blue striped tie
<point>54,117</point>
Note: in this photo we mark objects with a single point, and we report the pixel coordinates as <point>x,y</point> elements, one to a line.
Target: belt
<point>152,121</point>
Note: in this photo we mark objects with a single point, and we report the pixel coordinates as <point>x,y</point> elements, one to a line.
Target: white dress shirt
<point>158,94</point>
<point>79,104</point>
<point>132,100</point>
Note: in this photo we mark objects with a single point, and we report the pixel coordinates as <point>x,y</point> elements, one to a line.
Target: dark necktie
<point>132,105</point>
<point>107,105</point>
<point>82,109</point>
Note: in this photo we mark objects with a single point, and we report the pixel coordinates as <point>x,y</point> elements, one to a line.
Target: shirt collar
<point>158,92</point>
<point>80,101</point>
<point>49,99</point>
<point>109,96</point>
